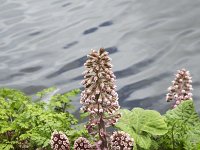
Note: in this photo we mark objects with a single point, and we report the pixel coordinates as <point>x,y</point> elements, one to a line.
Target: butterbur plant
<point>100,102</point>
<point>183,121</point>
<point>181,88</point>
<point>100,98</point>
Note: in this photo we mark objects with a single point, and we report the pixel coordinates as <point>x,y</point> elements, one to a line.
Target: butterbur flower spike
<point>82,144</point>
<point>181,88</point>
<point>99,98</point>
<point>121,141</point>
<point>59,141</point>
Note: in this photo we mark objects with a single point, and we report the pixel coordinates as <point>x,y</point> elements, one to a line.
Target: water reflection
<point>45,43</point>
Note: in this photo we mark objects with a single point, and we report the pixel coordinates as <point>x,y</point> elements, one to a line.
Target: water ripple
<point>91,30</point>
<point>45,43</point>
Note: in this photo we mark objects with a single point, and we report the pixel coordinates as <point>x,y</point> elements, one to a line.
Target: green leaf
<point>44,92</point>
<point>143,141</point>
<point>151,122</point>
<point>141,120</point>
<point>141,125</point>
<point>126,117</point>
<point>84,115</point>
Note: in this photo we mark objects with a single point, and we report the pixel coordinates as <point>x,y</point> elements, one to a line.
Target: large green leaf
<point>125,122</point>
<point>149,121</point>
<point>154,123</point>
<point>141,124</point>
<point>126,118</point>
<point>144,141</point>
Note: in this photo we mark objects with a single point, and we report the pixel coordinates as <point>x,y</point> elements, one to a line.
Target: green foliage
<point>183,128</point>
<point>27,123</point>
<point>61,102</point>
<point>178,129</point>
<point>24,123</point>
<point>42,94</point>
<point>83,115</point>
<point>142,125</point>
<point>185,113</point>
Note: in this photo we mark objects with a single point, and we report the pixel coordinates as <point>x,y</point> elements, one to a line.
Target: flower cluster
<point>59,141</point>
<point>99,98</point>
<point>99,95</point>
<point>181,88</point>
<point>82,144</point>
<point>121,141</point>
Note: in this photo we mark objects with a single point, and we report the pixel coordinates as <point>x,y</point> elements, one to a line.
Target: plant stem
<point>102,129</point>
<point>173,142</point>
<point>102,137</point>
<point>64,107</point>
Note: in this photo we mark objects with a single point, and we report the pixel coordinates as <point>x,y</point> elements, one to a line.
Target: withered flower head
<point>181,88</point>
<point>59,141</point>
<point>121,141</point>
<point>82,144</point>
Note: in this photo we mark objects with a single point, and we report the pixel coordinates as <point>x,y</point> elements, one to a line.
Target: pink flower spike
<point>99,94</point>
<point>181,88</point>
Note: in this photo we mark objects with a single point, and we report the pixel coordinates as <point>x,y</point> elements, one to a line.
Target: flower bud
<point>59,141</point>
<point>121,141</point>
<point>82,144</point>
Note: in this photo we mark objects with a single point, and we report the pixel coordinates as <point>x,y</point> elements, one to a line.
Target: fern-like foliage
<point>25,124</point>
<point>183,128</point>
<point>62,102</point>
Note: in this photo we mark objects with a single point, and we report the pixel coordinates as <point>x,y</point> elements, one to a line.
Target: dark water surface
<point>43,43</point>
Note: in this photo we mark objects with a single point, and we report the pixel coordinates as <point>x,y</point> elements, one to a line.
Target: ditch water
<point>44,43</point>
